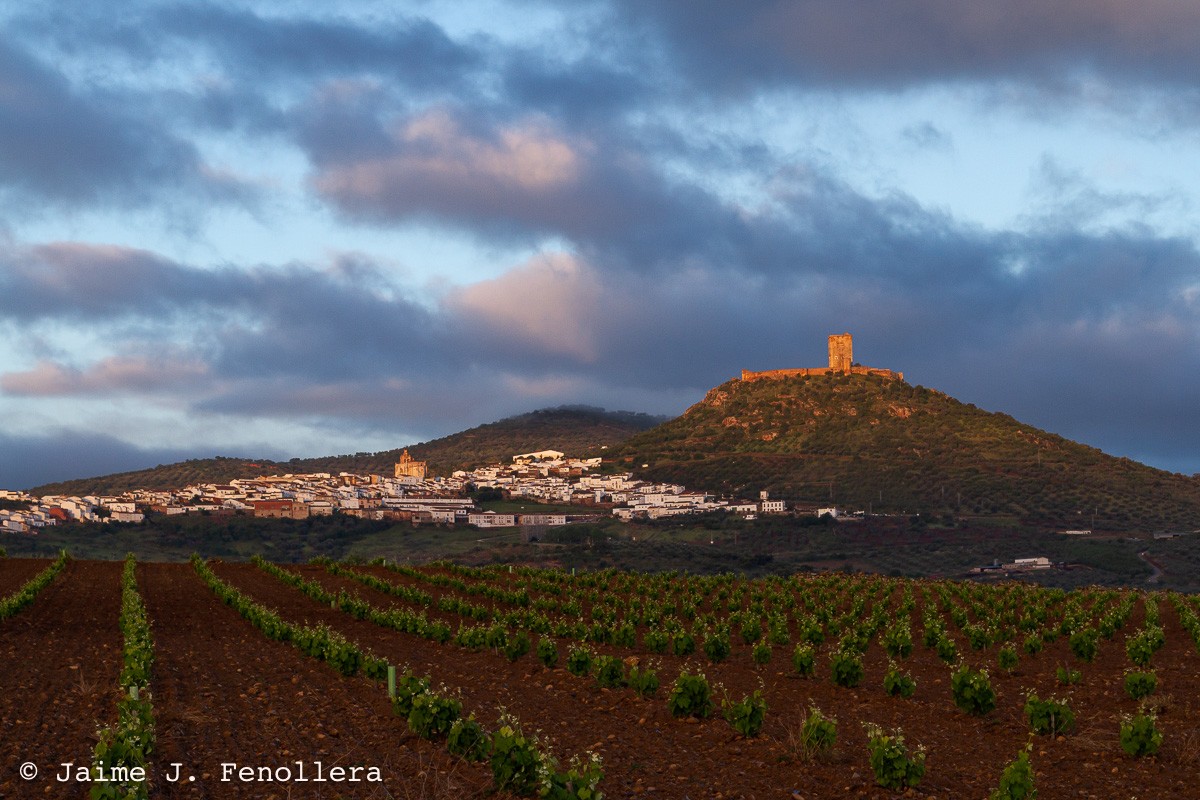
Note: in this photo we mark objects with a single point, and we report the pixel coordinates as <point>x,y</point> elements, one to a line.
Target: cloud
<point>927,136</point>
<point>73,148</point>
<point>548,305</point>
<point>72,279</point>
<point>1065,197</point>
<point>896,45</point>
<point>285,48</point>
<point>66,454</point>
<point>114,375</point>
<point>436,166</point>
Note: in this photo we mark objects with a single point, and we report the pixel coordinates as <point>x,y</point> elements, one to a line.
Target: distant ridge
<point>867,441</point>
<point>575,429</point>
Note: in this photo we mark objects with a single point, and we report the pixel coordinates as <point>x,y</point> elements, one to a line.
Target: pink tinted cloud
<point>549,304</point>
<point>113,375</point>
<point>436,164</point>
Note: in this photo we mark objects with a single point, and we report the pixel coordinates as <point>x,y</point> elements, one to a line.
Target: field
<point>225,692</point>
<point>706,544</point>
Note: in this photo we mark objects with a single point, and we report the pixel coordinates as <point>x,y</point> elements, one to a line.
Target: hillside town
<point>409,495</point>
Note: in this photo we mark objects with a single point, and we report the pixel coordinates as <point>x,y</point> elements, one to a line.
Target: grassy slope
<point>862,441</point>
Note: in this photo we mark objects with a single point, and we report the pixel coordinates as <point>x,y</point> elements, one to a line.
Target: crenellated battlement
<point>841,362</point>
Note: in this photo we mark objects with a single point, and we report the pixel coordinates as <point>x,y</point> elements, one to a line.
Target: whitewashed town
<point>408,495</point>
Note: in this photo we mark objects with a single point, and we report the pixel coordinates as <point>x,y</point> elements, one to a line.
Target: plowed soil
<point>60,657</point>
<point>224,694</point>
<point>14,572</point>
<point>647,752</point>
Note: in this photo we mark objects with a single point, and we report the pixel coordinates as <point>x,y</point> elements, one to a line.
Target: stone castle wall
<point>747,375</point>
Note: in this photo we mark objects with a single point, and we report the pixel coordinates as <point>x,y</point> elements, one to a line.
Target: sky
<point>281,230</point>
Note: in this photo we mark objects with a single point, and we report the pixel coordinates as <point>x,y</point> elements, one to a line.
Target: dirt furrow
<point>226,695</point>
<point>58,684</point>
<point>15,572</point>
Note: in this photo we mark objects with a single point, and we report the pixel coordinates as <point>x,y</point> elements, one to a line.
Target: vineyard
<point>330,680</point>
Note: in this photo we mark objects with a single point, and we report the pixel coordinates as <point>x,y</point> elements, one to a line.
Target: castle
<point>407,467</point>
<point>841,362</point>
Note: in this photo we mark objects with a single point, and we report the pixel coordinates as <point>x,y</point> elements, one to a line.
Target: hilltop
<point>874,442</point>
<point>578,430</point>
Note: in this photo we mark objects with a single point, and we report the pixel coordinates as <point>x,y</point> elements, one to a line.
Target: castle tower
<point>841,353</point>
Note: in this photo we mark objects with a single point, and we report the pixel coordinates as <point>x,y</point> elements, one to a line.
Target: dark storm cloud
<point>258,320</point>
<point>68,454</point>
<point>76,148</point>
<point>875,43</point>
<point>68,280</point>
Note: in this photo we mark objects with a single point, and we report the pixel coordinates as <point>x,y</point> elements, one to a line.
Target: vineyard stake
<point>391,682</point>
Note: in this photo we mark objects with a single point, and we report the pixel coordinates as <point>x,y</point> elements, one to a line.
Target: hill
<point>862,441</point>
<point>577,430</point>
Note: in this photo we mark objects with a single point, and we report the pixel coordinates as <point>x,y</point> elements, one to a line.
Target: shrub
<point>581,781</point>
<point>899,683</point>
<point>761,654</point>
<point>897,640</point>
<point>690,696</point>
<point>517,763</point>
<point>1007,658</point>
<point>579,660</point>
<point>467,739</point>
<point>1052,716</point>
<point>1140,684</point>
<point>746,715</point>
<point>716,646</point>
<point>819,733</point>
<point>1033,644</point>
<point>777,630</point>
<point>432,714</point>
<point>1067,676</point>
<point>1143,645</point>
<point>1016,782</point>
<point>610,673</point>
<point>893,765</point>
<point>1139,736</point>
<point>547,652</point>
<point>972,690</point>
<point>683,644</point>
<point>625,635</point>
<point>408,688</point>
<point>751,630</point>
<point>946,649</point>
<point>846,667</point>
<point>810,630</point>
<point>656,640</point>
<point>516,646</point>
<point>804,661</point>
<point>979,635</point>
<point>1083,643</point>
<point>643,680</point>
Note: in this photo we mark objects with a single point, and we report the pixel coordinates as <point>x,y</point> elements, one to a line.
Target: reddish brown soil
<point>224,693</point>
<point>61,658</point>
<point>646,752</point>
<point>15,572</point>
